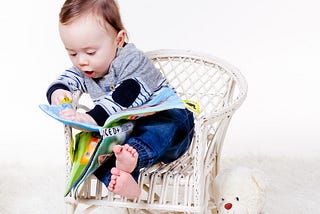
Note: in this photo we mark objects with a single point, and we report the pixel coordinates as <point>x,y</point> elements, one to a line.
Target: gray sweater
<point>131,81</point>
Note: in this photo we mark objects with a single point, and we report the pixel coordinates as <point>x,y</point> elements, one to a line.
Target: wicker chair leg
<point>89,209</point>
<point>70,208</point>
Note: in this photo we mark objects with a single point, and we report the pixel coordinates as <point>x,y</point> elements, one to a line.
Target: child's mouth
<point>89,73</point>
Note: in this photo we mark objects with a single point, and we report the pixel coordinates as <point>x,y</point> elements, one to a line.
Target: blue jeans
<point>162,137</point>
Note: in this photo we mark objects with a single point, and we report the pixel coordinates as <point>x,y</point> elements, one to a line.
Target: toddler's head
<point>91,32</point>
<point>107,11</point>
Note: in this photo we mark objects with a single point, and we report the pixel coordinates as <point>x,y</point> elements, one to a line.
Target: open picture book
<point>92,146</point>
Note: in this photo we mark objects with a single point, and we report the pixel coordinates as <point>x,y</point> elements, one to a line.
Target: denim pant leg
<point>103,172</point>
<point>164,136</point>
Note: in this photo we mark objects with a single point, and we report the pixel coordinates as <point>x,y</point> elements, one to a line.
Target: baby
<point>117,76</point>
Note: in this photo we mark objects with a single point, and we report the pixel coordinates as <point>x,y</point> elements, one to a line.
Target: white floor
<point>37,187</point>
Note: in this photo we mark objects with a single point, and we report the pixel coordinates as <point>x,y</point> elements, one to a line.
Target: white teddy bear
<point>240,191</point>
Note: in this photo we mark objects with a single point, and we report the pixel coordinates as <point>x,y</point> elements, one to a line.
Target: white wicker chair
<point>185,184</point>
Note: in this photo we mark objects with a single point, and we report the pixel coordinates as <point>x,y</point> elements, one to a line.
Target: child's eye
<point>91,53</point>
<point>72,54</point>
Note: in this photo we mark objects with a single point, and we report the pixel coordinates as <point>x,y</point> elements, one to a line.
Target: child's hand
<point>59,95</point>
<point>71,114</point>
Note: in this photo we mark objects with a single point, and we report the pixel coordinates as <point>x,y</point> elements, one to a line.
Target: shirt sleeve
<point>70,80</point>
<point>128,94</point>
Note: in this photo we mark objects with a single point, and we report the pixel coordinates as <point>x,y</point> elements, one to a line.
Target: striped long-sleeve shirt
<point>131,81</point>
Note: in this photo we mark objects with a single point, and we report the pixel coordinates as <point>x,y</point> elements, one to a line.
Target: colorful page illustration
<point>93,145</point>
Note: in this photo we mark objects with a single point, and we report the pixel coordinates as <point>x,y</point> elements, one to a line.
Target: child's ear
<point>120,39</point>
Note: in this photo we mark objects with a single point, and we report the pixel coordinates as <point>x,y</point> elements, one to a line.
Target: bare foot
<point>126,157</point>
<point>122,183</point>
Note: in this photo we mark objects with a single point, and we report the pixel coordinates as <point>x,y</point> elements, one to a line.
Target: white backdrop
<point>274,43</point>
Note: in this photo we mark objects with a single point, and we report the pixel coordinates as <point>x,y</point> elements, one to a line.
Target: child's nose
<point>82,60</point>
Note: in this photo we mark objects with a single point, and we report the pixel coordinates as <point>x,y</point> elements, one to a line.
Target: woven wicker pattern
<point>196,79</point>
<point>184,184</point>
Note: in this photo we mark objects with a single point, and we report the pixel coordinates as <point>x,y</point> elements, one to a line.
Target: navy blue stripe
<point>79,84</point>
<point>105,108</point>
<point>110,100</point>
<point>142,87</point>
<point>160,86</point>
<point>73,72</point>
<point>141,100</point>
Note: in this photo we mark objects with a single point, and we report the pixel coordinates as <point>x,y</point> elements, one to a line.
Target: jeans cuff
<point>145,158</point>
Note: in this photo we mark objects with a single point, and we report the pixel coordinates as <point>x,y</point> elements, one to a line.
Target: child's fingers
<point>60,96</point>
<point>68,113</point>
<point>71,114</point>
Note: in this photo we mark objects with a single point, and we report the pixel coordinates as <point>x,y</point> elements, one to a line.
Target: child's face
<point>90,46</point>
